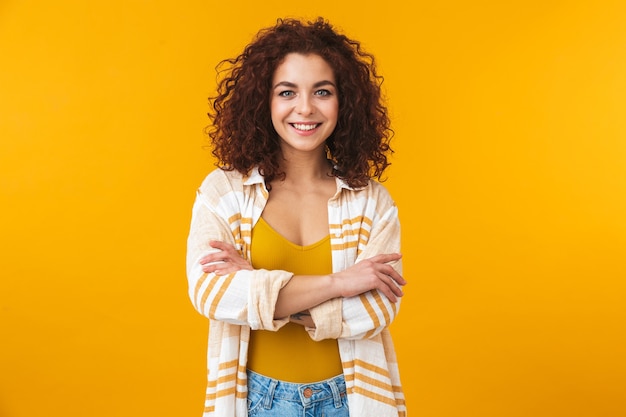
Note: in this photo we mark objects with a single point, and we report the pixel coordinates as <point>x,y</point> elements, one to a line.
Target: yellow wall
<point>510,174</point>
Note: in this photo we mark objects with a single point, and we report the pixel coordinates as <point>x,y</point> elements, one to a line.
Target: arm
<point>368,313</point>
<point>243,297</point>
<point>370,285</point>
<point>306,291</point>
<point>229,260</point>
<point>373,274</point>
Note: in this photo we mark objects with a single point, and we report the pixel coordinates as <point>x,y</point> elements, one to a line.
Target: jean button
<point>307,392</point>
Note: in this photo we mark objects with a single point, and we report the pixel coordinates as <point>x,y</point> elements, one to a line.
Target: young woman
<point>293,250</point>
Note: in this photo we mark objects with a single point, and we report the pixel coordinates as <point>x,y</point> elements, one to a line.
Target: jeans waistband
<point>306,393</point>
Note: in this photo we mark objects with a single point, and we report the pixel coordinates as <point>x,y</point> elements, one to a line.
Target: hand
<point>371,274</point>
<point>226,261</point>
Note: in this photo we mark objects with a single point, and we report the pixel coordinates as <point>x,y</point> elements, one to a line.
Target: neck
<point>305,169</point>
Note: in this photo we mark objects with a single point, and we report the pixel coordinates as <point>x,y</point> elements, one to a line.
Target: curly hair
<point>242,134</point>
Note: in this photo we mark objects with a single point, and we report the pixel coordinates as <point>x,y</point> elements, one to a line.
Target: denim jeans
<point>269,397</point>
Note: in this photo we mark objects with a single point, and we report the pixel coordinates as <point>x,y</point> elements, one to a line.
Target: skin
<point>304,105</point>
<point>304,109</point>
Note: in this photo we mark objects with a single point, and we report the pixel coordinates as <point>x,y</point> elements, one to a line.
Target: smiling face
<point>304,103</point>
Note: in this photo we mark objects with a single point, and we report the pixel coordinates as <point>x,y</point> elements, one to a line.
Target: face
<point>304,103</point>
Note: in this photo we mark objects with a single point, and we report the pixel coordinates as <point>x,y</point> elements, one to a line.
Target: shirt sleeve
<point>366,315</point>
<point>246,297</point>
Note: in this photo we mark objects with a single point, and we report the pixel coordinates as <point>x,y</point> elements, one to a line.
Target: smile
<point>305,127</point>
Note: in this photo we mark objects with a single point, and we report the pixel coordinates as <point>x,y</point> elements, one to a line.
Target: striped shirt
<point>362,223</point>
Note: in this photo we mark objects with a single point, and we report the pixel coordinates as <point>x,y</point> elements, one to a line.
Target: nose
<point>304,105</point>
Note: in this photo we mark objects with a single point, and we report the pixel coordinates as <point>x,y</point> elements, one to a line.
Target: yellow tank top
<point>289,354</point>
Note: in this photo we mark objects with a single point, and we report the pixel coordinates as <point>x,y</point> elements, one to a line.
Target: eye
<point>286,93</point>
<point>323,93</point>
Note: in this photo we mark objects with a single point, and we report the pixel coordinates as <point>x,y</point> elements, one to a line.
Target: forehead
<point>299,67</point>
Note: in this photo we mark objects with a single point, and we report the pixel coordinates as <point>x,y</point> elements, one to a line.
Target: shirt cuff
<point>328,319</point>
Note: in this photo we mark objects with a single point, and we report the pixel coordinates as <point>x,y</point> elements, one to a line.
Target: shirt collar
<point>255,177</point>
<point>341,184</point>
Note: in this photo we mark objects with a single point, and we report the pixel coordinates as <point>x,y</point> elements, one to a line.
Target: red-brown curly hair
<point>242,133</point>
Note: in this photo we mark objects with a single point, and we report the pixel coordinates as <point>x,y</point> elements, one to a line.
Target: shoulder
<point>379,191</point>
<point>220,179</point>
<point>373,201</point>
<point>221,185</point>
<point>374,192</point>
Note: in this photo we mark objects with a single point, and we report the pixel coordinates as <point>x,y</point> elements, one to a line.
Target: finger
<point>213,257</point>
<point>388,293</point>
<point>390,284</point>
<point>221,256</point>
<point>391,272</point>
<point>212,267</point>
<point>228,268</point>
<point>225,267</point>
<point>218,244</point>
<point>386,257</point>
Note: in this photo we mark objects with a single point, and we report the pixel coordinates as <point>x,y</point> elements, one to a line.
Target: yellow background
<point>510,174</point>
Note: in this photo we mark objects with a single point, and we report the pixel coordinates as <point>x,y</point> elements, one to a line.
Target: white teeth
<point>300,126</point>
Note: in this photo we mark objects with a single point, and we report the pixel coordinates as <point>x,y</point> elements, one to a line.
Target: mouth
<point>305,127</point>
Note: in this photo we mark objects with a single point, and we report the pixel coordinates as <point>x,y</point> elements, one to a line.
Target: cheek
<point>333,111</point>
<point>277,117</point>
<point>277,111</point>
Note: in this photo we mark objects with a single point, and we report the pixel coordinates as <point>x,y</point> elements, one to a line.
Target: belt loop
<point>269,397</point>
<point>336,393</point>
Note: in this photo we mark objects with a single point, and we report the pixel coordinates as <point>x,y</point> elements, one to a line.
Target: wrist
<point>334,286</point>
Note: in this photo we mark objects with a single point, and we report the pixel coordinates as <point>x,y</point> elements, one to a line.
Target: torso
<point>297,212</point>
<point>300,214</point>
<point>290,354</point>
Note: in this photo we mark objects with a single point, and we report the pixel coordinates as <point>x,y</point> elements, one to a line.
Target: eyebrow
<point>316,85</point>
